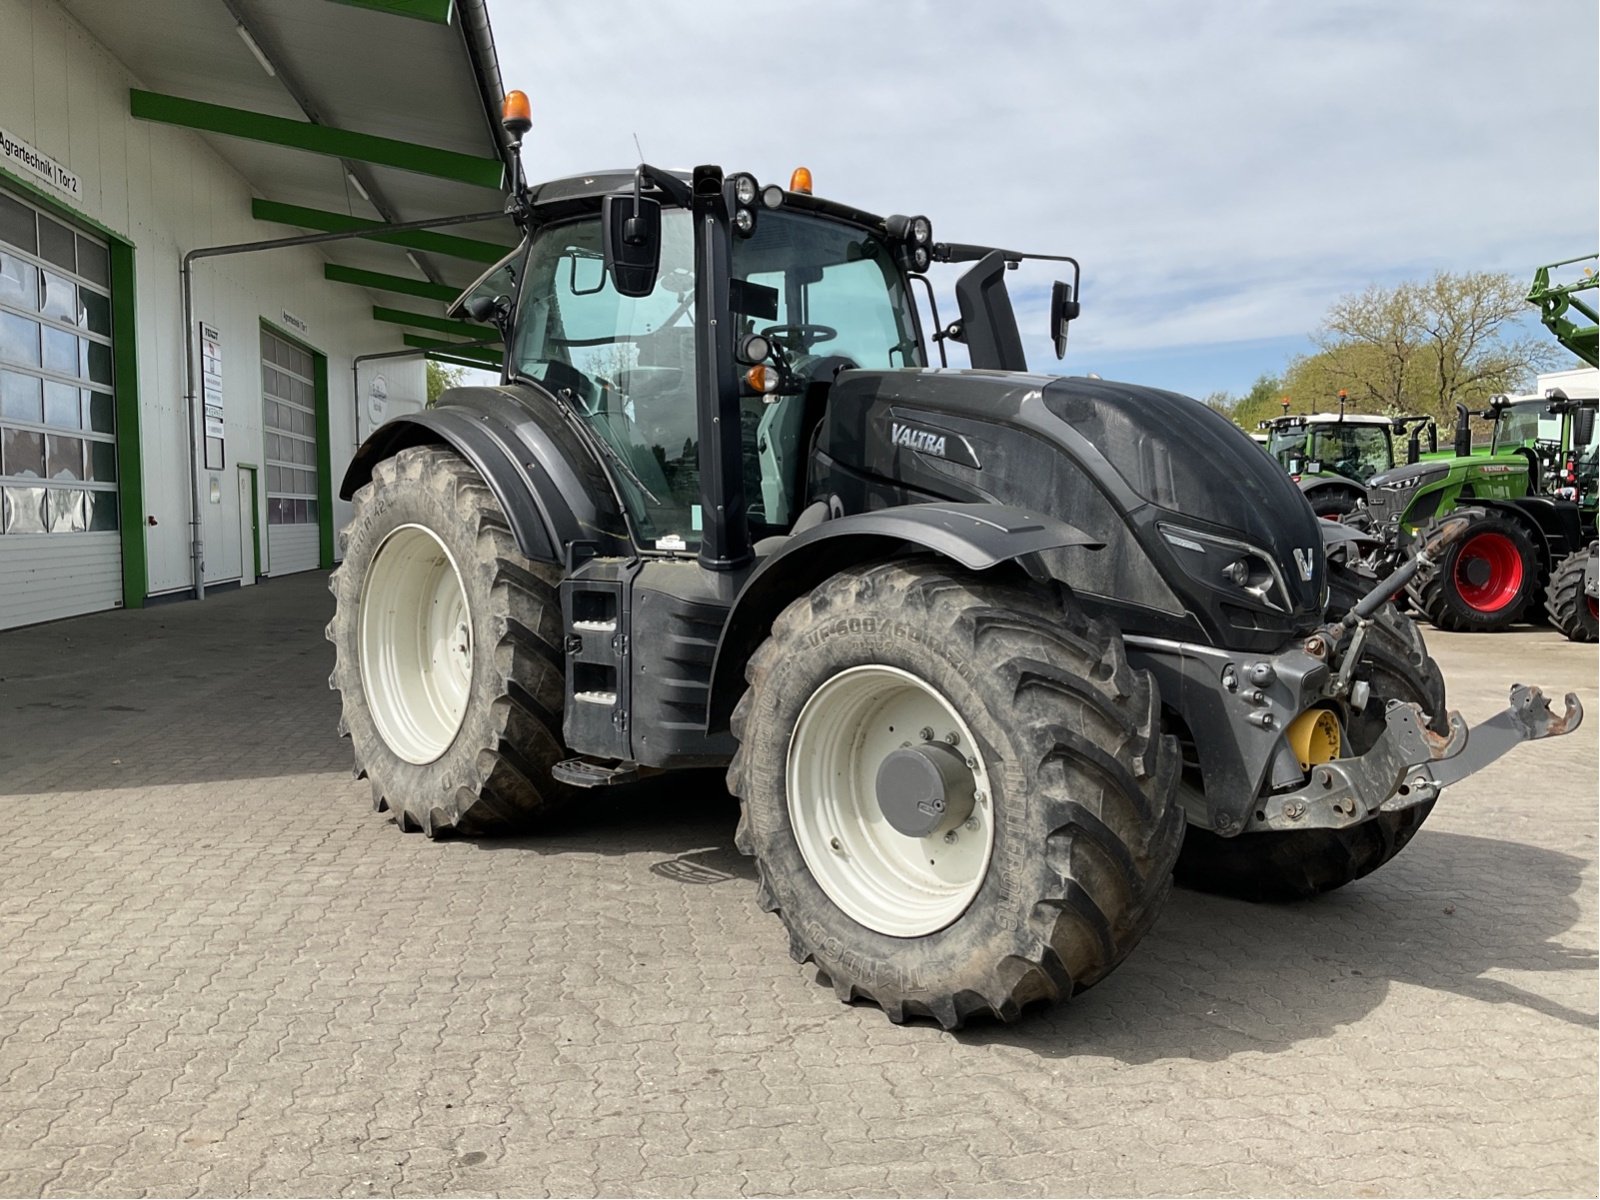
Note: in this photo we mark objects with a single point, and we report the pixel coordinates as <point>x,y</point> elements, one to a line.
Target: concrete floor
<point>221,973</point>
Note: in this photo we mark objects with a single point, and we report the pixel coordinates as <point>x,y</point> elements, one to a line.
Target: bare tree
<point>1422,347</point>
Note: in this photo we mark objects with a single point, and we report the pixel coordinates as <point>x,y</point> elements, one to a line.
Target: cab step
<point>590,773</point>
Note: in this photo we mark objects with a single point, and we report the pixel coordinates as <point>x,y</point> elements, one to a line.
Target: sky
<point>1223,169</point>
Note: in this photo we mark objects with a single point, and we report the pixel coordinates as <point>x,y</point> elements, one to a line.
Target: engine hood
<point>1202,470</point>
<point>1404,476</point>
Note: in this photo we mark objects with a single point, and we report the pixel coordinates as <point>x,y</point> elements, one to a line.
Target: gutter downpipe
<point>186,278</point>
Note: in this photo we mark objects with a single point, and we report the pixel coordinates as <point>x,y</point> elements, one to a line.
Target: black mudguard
<point>978,536</point>
<point>1556,526</point>
<point>548,481</point>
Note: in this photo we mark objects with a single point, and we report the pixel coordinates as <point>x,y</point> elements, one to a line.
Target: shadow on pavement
<point>1220,976</point>
<point>1216,976</point>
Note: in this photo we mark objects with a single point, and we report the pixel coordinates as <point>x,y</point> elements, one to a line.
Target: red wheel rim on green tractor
<point>1489,572</point>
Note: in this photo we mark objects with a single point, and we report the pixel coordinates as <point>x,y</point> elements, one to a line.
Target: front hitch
<point>1410,764</point>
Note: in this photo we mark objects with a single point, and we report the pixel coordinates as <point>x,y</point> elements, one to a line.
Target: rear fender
<point>976,536</point>
<point>551,488</point>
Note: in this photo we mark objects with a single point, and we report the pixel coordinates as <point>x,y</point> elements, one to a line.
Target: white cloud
<point>1222,169</point>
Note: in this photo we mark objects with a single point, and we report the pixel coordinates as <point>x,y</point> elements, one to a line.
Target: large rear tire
<point>447,652</point>
<point>1484,582</point>
<point>1295,866</point>
<point>1570,608</point>
<point>1066,858</point>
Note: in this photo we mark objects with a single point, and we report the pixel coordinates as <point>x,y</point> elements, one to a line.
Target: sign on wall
<point>211,393</point>
<point>21,157</point>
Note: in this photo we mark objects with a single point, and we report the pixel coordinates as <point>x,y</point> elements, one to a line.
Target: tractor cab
<point>1355,446</point>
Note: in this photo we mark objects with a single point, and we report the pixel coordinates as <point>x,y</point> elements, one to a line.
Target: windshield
<point>625,364</point>
<point>837,290</point>
<point>1525,424</point>
<point>1288,443</point>
<point>1355,451</point>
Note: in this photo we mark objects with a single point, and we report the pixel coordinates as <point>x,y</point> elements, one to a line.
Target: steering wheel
<point>805,336</point>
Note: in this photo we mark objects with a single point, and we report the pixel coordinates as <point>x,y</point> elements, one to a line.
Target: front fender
<point>977,536</point>
<point>550,486</point>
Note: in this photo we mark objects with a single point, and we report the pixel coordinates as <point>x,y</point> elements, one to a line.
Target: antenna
<point>637,147</point>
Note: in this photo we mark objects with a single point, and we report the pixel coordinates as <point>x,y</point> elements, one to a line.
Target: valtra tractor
<point>986,654</point>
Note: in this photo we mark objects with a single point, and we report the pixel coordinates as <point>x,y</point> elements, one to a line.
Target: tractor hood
<point>1117,460</point>
<point>1409,475</point>
<point>1176,454</point>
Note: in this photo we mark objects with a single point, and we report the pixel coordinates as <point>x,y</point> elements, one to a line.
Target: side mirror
<point>490,310</point>
<point>1582,427</point>
<point>631,232</point>
<point>1064,308</point>
<point>1433,438</point>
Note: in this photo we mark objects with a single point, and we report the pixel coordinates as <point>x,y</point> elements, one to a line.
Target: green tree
<point>1422,347</point>
<point>440,379</point>
<point>1260,403</point>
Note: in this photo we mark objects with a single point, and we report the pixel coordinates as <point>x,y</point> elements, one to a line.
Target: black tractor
<point>977,648</point>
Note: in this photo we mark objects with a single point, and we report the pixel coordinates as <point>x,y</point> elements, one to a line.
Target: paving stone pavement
<point>222,973</point>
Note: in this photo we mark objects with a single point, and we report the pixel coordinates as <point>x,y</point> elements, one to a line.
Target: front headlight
<point>1228,565</point>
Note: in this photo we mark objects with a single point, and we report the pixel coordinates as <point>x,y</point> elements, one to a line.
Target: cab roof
<point>580,190</point>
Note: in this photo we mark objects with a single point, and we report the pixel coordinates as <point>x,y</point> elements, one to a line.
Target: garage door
<point>290,423</point>
<point>60,554</point>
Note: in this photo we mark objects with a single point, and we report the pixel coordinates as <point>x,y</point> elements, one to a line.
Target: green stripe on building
<point>315,139</point>
<point>379,282</point>
<point>415,239</point>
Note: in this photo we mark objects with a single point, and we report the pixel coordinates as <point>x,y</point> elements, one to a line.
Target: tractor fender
<point>1553,525</point>
<point>977,536</point>
<point>550,485</point>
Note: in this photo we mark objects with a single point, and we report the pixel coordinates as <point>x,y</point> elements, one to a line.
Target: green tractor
<point>1333,456</point>
<point>1533,494</point>
<point>1531,502</point>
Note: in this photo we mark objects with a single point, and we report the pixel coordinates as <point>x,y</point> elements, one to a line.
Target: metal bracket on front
<point>1526,720</point>
<point>1410,763</point>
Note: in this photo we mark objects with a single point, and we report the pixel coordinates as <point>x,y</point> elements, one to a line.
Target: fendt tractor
<point>1332,456</point>
<point>1532,494</point>
<point>976,647</point>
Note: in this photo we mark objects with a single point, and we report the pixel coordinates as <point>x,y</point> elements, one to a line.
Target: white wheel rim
<point>416,644</point>
<point>891,883</point>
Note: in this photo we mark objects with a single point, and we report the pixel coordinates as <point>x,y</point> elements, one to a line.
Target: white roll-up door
<point>60,553</point>
<point>290,425</point>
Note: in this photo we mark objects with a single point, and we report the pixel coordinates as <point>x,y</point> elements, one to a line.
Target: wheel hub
<point>890,801</point>
<point>923,790</point>
<point>416,644</point>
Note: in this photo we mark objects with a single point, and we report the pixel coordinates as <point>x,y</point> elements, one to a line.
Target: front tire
<point>1570,608</point>
<point>447,652</point>
<point>1484,582</point>
<point>1298,865</point>
<point>1074,826</point>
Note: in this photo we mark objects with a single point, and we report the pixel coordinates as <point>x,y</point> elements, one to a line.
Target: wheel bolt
<point>972,764</point>
<point>835,845</point>
<point>980,797</point>
<point>972,824</point>
<point>927,733</point>
<point>950,838</point>
<point>952,737</point>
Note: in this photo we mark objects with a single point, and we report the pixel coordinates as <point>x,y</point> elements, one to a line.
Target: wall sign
<point>295,323</point>
<point>20,156</point>
<point>211,393</point>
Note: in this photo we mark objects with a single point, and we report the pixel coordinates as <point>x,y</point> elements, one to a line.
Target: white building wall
<point>165,190</point>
